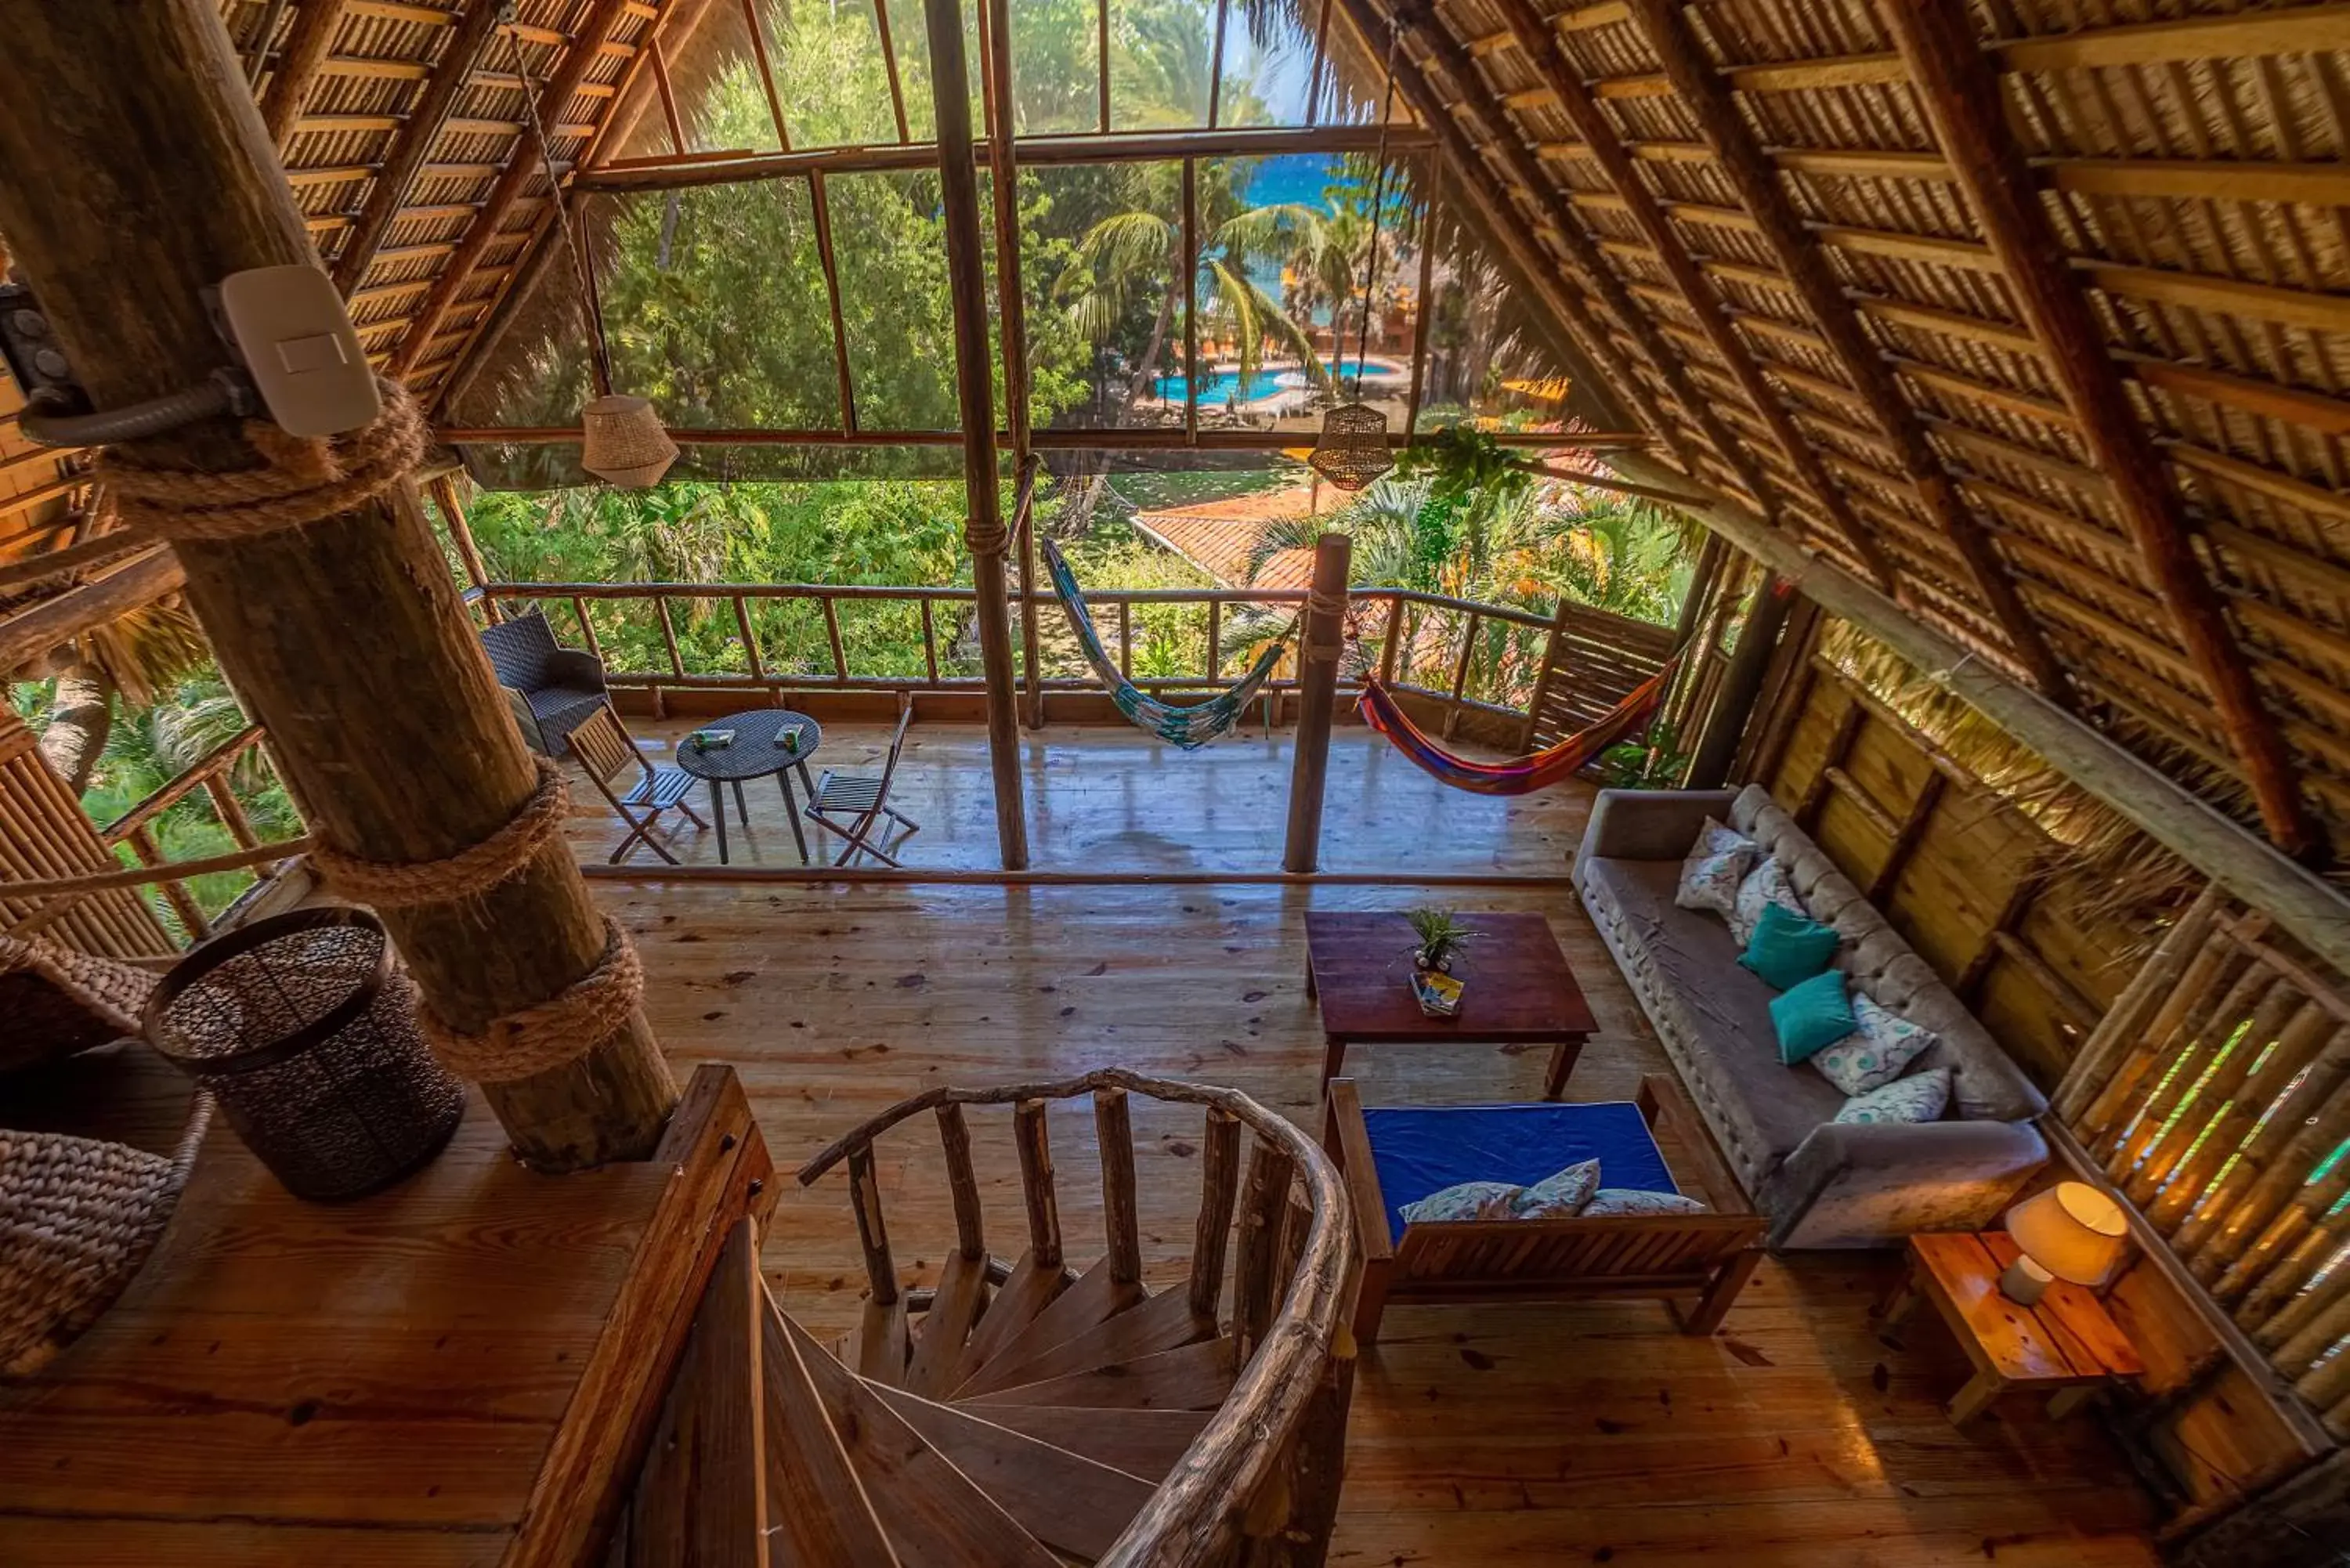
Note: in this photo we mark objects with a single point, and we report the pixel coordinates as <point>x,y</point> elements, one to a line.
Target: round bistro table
<point>757,752</point>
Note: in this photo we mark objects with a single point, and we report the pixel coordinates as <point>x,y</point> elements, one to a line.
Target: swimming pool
<point>1224,386</point>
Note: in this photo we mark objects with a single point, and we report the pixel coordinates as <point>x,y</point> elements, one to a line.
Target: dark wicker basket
<point>304,1029</point>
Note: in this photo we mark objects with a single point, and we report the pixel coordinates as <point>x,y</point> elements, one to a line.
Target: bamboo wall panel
<point>43,833</point>
<point>1969,888</point>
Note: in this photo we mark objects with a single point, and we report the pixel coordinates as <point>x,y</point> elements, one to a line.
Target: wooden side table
<point>2068,1344</point>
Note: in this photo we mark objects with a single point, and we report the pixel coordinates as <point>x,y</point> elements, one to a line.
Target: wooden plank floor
<point>1480,1435</point>
<point>1110,798</point>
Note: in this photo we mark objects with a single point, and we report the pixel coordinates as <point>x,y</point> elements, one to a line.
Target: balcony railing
<point>1469,661</point>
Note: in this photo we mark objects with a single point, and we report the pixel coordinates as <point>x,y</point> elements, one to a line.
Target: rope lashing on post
<point>531,1039</point>
<point>1318,603</point>
<point>300,481</point>
<point>988,539</point>
<point>469,873</point>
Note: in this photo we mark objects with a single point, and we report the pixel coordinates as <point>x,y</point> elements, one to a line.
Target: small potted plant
<point>1442,938</point>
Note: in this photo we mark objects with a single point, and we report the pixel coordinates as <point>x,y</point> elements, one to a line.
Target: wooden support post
<point>984,527</point>
<point>1264,1217</point>
<point>872,1230</point>
<point>1035,1138</point>
<point>1319,646</point>
<point>1958,85</point>
<point>962,1182</point>
<point>413,146</point>
<point>1749,662</point>
<point>396,742</point>
<point>1706,96</point>
<point>1121,1228</point>
<point>452,507</point>
<point>1011,318</point>
<point>1220,1173</point>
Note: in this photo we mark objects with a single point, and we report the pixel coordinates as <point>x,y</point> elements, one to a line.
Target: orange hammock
<point>1519,776</point>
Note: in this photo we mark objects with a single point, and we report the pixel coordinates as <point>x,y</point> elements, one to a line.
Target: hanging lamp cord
<point>1379,213</point>
<point>592,308</point>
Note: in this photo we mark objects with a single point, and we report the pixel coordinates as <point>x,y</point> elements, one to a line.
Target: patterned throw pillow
<point>1559,1196</point>
<point>1766,884</point>
<point>1632,1201</point>
<point>1716,864</point>
<point>1879,1049</point>
<point>1465,1200</point>
<point>1921,1098</point>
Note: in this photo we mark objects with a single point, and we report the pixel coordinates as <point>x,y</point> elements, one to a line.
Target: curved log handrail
<point>1188,1518</point>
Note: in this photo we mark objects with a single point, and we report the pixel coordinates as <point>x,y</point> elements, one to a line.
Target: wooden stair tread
<point>1195,1377</point>
<point>1031,1287</point>
<point>702,1493</point>
<point>1145,1443</point>
<point>880,1342</point>
<point>1093,1300</point>
<point>934,1516</point>
<point>821,1515</point>
<point>961,1297</point>
<point>1066,1501</point>
<point>1165,1322</point>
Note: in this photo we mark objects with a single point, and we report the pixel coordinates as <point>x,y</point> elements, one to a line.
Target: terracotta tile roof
<point>1218,537</point>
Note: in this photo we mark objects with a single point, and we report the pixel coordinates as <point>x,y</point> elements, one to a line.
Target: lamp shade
<point>2073,1230</point>
<point>623,440</point>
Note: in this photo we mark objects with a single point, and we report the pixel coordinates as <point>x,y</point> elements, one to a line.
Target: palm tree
<point>134,658</point>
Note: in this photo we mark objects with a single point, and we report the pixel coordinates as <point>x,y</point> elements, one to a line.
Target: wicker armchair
<point>551,688</point>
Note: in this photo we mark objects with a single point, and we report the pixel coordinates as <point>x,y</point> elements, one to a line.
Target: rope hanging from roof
<point>1352,450</point>
<point>1189,725</point>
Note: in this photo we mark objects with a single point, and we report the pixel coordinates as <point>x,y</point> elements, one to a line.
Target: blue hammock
<point>1184,724</point>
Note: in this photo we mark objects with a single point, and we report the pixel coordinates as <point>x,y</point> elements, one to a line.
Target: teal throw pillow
<point>1811,1015</point>
<point>1788,948</point>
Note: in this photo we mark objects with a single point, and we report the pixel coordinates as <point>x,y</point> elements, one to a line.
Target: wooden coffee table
<point>1520,991</point>
<point>2068,1347</point>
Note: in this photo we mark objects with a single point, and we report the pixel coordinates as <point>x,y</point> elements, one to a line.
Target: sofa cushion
<point>1985,1086</point>
<point>1714,1017</point>
<point>1808,1017</point>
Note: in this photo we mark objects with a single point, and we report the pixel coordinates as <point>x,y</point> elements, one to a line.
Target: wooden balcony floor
<point>1110,798</point>
<point>1481,1436</point>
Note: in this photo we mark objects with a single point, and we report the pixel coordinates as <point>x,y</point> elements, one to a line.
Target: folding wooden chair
<point>604,750</point>
<point>853,804</point>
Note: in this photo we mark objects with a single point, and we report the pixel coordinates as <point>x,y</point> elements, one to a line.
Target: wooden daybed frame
<point>1667,1256</point>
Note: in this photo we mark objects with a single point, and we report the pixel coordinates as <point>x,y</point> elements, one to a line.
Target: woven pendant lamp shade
<point>624,443</point>
<point>1353,449</point>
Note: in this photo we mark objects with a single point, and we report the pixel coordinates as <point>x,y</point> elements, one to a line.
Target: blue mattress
<point>1420,1149</point>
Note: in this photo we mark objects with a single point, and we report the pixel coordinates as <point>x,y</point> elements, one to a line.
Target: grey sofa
<point>1821,1184</point>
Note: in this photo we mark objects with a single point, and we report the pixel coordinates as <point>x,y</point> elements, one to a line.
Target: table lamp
<point>2070,1232</point>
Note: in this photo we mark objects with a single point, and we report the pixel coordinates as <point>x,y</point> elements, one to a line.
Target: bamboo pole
<point>1750,661</point>
<point>1320,644</point>
<point>461,534</point>
<point>1012,318</point>
<point>2193,1114</point>
<point>983,531</point>
<point>396,741</point>
<point>2202,1240</point>
<point>2099,1054</point>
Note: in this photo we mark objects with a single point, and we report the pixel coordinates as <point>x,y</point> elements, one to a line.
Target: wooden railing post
<point>1319,647</point>
<point>962,1182</point>
<point>1220,1172</point>
<point>1265,1218</point>
<point>872,1232</point>
<point>1035,1138</point>
<point>1113,1129</point>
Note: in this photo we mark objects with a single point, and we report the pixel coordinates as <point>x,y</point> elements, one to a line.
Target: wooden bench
<point>1669,1257</point>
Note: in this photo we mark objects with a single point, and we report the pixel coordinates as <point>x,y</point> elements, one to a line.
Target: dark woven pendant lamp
<point>1352,450</point>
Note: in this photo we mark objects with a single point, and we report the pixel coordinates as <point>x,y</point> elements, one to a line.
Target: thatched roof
<point>1742,213</point>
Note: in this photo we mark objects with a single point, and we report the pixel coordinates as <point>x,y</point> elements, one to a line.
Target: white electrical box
<point>301,349</point>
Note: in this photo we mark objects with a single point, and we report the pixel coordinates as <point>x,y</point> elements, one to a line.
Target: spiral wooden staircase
<point>1029,1414</point>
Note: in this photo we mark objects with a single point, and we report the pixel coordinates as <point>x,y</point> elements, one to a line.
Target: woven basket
<point>623,440</point>
<point>1353,448</point>
<point>55,1001</point>
<point>79,1217</point>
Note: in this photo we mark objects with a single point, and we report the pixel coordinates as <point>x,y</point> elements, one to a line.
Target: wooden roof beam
<point>1958,86</point>
<point>1582,109</point>
<point>1707,96</point>
<point>1419,24</point>
<point>308,43</point>
<point>521,167</point>
<point>1521,248</point>
<point>426,117</point>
